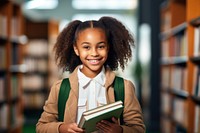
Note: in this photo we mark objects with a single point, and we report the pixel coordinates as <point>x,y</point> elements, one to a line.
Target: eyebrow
<point>97,43</point>
<point>101,42</point>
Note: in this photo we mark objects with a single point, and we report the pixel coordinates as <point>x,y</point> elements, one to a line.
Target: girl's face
<point>92,48</point>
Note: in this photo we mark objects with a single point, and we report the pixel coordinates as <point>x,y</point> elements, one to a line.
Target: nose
<point>94,52</point>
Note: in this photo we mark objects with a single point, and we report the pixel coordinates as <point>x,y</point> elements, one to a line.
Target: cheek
<point>82,54</point>
<point>105,53</point>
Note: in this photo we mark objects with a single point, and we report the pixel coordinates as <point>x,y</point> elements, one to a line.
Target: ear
<point>76,49</point>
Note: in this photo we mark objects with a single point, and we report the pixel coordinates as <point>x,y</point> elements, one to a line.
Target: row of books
<point>179,77</point>
<point>14,92</point>
<point>15,116</point>
<point>9,116</point>
<point>15,56</point>
<point>175,46</point>
<point>174,78</point>
<point>178,121</point>
<point>36,48</point>
<point>34,100</point>
<point>33,82</point>
<point>35,64</point>
<point>14,26</point>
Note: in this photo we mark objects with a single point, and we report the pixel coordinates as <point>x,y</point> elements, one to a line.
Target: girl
<point>91,51</point>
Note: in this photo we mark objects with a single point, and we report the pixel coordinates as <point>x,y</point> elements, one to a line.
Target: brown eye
<point>101,47</point>
<point>86,47</point>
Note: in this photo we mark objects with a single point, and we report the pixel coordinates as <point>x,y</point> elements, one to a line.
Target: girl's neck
<point>89,73</point>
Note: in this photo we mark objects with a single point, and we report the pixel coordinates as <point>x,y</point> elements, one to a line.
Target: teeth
<point>93,61</point>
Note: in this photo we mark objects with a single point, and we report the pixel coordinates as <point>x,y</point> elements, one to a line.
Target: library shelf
<point>180,65</point>
<point>11,26</point>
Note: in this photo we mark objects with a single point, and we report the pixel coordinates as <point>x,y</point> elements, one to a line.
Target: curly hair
<point>118,37</point>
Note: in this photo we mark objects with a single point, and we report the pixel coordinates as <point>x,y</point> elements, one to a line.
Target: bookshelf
<point>11,49</point>
<point>180,63</point>
<point>41,70</point>
<point>34,80</point>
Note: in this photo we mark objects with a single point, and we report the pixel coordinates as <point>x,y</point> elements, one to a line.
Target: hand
<point>70,128</point>
<point>108,127</point>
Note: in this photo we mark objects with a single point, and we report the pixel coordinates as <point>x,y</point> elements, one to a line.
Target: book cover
<point>90,118</point>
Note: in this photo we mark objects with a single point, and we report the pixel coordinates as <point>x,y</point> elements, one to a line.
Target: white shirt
<point>91,92</point>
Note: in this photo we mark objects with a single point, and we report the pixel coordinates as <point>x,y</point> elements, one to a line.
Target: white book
<point>196,41</point>
<point>90,118</point>
<point>197,121</point>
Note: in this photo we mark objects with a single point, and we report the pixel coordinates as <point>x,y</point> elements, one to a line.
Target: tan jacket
<point>48,123</point>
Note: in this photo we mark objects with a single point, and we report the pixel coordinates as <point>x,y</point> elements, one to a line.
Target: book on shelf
<point>3,57</point>
<point>197,119</point>
<point>197,41</point>
<point>3,25</point>
<point>166,103</point>
<point>90,118</point>
<point>2,89</point>
<point>4,111</point>
<point>196,82</point>
<point>180,111</point>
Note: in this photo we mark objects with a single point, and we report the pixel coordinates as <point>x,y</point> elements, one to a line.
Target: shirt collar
<point>84,80</point>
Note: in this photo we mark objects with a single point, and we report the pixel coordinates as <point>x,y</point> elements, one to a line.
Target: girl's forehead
<point>90,30</point>
<point>91,34</point>
<point>93,29</point>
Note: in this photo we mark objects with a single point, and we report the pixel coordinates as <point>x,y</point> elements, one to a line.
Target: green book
<point>90,118</point>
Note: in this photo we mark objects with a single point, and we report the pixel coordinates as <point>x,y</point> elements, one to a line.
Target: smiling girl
<point>91,51</point>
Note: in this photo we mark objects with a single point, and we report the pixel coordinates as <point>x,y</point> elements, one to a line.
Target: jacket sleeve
<point>133,116</point>
<point>48,122</point>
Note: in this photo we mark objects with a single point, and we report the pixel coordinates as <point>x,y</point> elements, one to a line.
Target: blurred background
<point>164,67</point>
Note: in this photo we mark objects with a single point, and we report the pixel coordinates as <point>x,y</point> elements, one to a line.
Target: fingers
<point>109,127</point>
<point>114,120</point>
<point>75,128</point>
<point>70,128</point>
<point>103,126</point>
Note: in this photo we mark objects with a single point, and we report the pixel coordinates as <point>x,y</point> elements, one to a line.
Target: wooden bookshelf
<point>41,71</point>
<point>11,49</point>
<point>35,60</point>
<point>180,61</point>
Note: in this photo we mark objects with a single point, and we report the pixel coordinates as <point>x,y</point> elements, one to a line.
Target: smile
<point>94,61</point>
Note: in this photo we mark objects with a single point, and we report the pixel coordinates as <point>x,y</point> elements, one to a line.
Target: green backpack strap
<point>62,98</point>
<point>119,93</point>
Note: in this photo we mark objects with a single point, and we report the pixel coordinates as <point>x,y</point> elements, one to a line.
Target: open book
<point>90,118</point>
